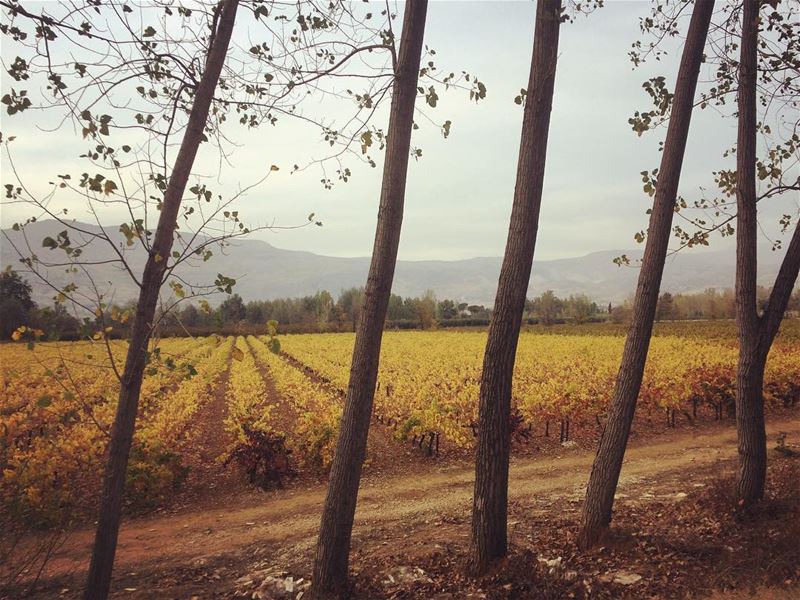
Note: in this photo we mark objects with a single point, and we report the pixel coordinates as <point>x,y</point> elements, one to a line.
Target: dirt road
<point>289,518</point>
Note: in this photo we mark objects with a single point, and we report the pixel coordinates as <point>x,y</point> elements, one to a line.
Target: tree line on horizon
<point>320,312</point>
<point>427,311</point>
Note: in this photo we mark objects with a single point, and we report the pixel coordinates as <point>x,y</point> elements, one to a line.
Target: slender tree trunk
<point>752,441</point>
<point>490,499</point>
<point>754,347</point>
<point>333,545</point>
<point>756,333</point>
<point>608,462</point>
<point>105,544</point>
<point>750,429</point>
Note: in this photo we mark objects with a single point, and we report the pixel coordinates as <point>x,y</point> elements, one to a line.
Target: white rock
<point>625,578</point>
<point>551,563</point>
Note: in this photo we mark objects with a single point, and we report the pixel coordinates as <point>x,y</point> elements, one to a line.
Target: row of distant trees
<point>709,304</point>
<point>323,312</point>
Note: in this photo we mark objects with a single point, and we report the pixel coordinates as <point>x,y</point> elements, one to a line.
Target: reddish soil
<point>675,530</point>
<point>204,450</point>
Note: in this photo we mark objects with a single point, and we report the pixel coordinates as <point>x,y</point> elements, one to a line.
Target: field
<point>58,399</point>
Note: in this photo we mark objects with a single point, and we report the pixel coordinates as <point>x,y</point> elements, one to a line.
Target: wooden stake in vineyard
<point>608,462</point>
<point>105,544</point>
<point>756,332</point>
<point>333,545</point>
<point>490,500</point>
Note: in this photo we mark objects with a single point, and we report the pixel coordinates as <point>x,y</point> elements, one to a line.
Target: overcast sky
<point>459,193</point>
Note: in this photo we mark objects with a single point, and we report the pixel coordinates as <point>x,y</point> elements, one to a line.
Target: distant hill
<point>264,271</point>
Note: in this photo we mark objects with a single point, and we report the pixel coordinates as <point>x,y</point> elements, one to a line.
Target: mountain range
<point>263,271</point>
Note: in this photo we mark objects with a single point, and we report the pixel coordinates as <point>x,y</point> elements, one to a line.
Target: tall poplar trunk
<point>105,544</point>
<point>751,433</point>
<point>756,333</point>
<point>490,499</point>
<point>608,462</point>
<point>333,545</point>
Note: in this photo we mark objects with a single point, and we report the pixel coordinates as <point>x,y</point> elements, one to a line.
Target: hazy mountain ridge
<point>263,271</point>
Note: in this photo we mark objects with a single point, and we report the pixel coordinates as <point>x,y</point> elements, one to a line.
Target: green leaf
<point>431,97</point>
<point>177,289</point>
<point>190,371</point>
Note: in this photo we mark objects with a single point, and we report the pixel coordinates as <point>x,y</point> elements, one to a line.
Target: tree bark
<point>756,333</point>
<point>490,499</point>
<point>333,545</point>
<point>755,342</point>
<point>603,480</point>
<point>782,288</point>
<point>750,429</point>
<point>752,441</point>
<point>105,544</point>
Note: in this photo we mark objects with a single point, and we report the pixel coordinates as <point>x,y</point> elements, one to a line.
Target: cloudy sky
<point>459,193</point>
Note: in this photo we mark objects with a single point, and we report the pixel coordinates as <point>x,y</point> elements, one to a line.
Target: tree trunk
<point>756,333</point>
<point>490,500</point>
<point>751,434</point>
<point>333,545</point>
<point>608,462</point>
<point>105,544</point>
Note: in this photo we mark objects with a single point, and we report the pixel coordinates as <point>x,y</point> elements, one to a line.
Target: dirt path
<point>203,450</point>
<point>283,416</point>
<point>289,518</point>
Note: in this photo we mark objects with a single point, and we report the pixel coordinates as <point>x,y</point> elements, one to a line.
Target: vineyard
<point>428,382</point>
<point>57,402</point>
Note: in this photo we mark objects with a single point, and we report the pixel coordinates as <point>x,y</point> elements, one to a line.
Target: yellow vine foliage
<point>57,405</point>
<point>429,381</point>
<point>318,411</point>
<point>57,400</point>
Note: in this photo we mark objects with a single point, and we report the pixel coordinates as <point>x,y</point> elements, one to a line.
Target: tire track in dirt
<point>287,520</point>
